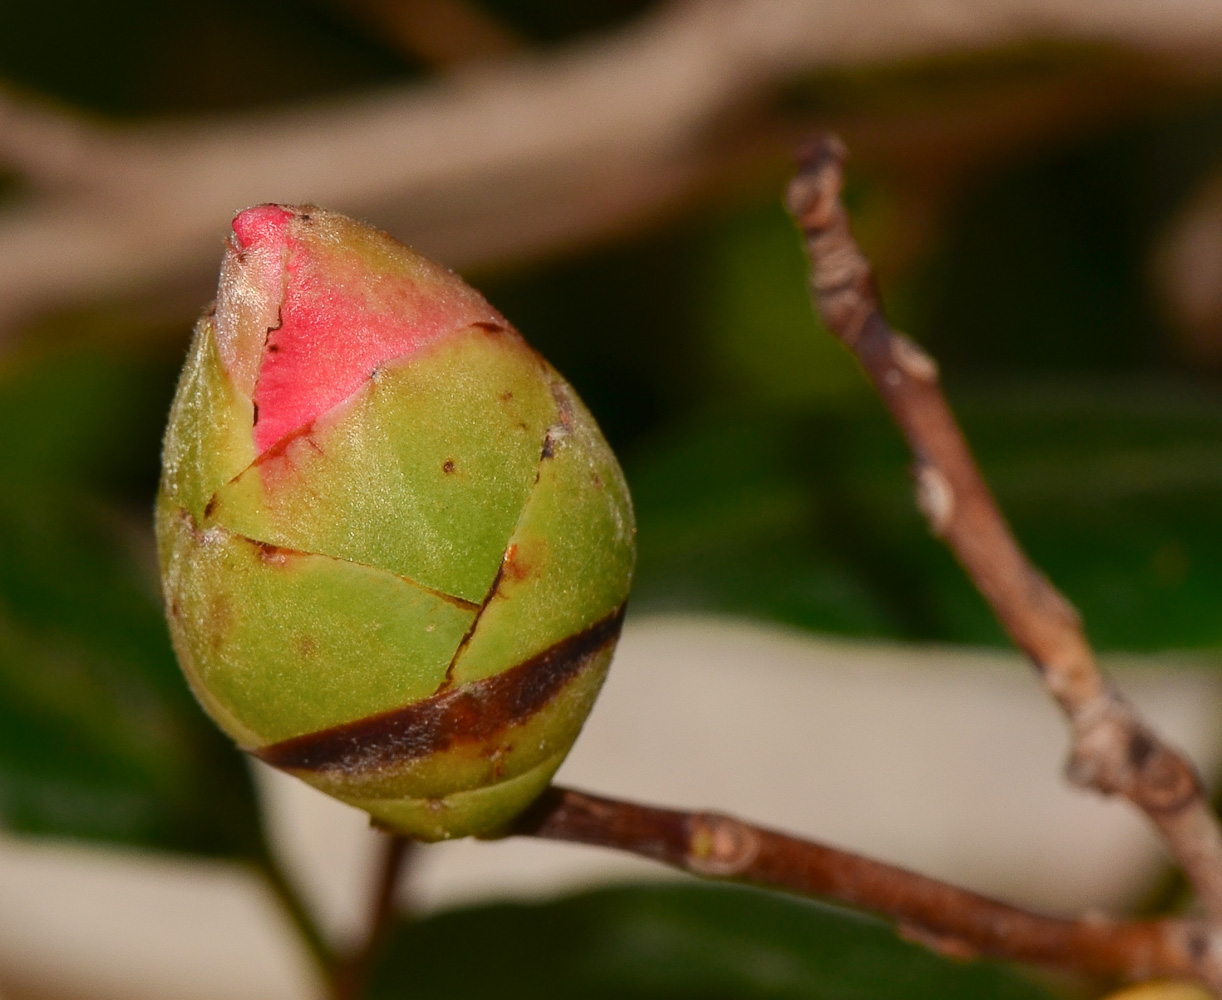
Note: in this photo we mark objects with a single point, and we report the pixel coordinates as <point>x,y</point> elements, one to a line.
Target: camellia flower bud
<point>395,547</point>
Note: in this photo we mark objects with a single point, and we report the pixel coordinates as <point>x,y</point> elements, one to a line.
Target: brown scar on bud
<point>514,567</point>
<point>276,555</point>
<point>448,466</point>
<point>188,519</point>
<point>488,326</point>
<point>555,435</point>
<point>473,713</point>
<point>564,404</point>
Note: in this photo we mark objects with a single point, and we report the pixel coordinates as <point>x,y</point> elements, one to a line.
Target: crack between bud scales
<point>552,436</point>
<point>271,551</point>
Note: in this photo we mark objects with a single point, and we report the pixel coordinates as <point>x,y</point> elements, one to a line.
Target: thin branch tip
<point>1113,750</point>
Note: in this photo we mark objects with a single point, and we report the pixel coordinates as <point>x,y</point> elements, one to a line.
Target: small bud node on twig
<point>911,360</point>
<point>720,846</point>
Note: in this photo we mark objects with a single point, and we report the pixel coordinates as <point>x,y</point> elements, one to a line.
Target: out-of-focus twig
<point>298,914</point>
<point>1114,751</point>
<point>949,919</point>
<point>506,158</point>
<point>351,974</point>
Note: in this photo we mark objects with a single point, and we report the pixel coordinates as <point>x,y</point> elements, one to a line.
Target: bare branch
<point>1114,751</point>
<point>952,920</point>
<point>509,158</point>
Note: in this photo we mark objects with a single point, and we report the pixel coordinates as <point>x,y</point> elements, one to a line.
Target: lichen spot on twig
<point>934,497</point>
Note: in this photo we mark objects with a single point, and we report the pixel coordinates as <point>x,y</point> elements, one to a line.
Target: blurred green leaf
<point>99,736</point>
<point>807,517</point>
<point>677,941</point>
<point>763,335</point>
<point>1116,490</point>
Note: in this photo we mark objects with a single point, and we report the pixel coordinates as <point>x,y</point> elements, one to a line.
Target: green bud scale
<point>395,548</point>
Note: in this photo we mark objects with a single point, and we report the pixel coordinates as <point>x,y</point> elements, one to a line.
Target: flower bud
<point>395,548</point>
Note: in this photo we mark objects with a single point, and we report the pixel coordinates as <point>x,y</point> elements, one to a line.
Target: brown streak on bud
<point>472,713</point>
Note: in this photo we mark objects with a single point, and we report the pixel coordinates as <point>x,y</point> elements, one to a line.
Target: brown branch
<point>949,919</point>
<point>1114,751</point>
<point>351,974</point>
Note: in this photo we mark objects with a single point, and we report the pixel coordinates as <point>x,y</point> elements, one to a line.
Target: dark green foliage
<point>679,943</point>
<point>99,737</point>
<point>807,517</point>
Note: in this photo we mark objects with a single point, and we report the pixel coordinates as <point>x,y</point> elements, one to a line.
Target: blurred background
<point>1039,184</point>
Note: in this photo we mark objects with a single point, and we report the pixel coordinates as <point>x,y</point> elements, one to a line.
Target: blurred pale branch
<point>512,157</point>
<point>441,33</point>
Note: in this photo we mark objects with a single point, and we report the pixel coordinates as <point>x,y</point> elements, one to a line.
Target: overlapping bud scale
<point>395,547</point>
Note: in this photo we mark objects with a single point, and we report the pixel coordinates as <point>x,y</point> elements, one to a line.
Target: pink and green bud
<point>395,548</point>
